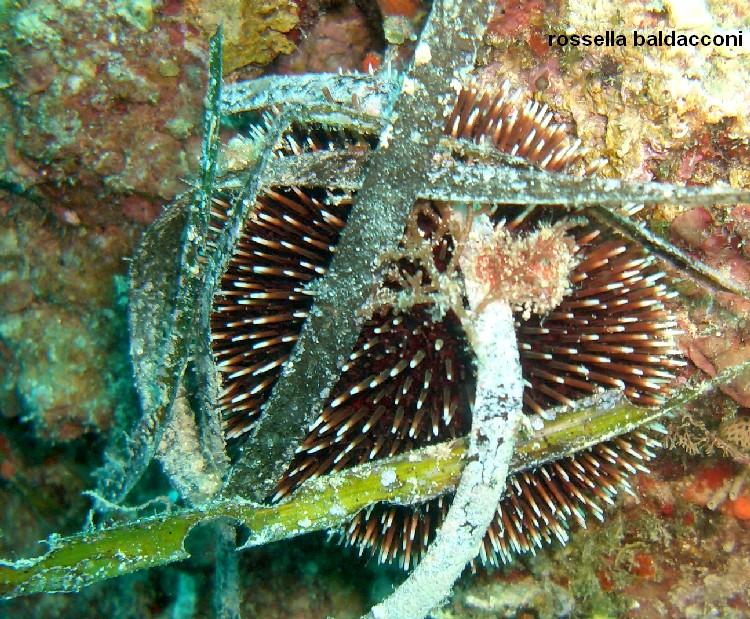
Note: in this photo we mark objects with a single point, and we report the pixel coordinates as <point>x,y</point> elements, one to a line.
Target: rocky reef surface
<point>100,119</point>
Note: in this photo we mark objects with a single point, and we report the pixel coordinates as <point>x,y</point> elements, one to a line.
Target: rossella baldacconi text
<point>669,38</point>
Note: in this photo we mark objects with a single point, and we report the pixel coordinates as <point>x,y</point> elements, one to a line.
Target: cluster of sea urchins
<point>408,381</point>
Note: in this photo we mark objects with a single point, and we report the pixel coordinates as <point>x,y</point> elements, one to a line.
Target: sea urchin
<point>408,381</point>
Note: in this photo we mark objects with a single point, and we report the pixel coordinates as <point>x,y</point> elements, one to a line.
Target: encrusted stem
<point>227,593</point>
<point>490,183</point>
<point>498,179</point>
<point>166,285</point>
<point>398,169</point>
<point>495,420</point>
<point>198,223</point>
<point>367,93</point>
<point>703,273</point>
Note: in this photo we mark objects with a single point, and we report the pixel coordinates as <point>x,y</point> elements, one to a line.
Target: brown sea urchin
<point>408,381</point>
<point>263,300</point>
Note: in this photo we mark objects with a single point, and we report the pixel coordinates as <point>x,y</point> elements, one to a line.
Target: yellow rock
<point>254,30</point>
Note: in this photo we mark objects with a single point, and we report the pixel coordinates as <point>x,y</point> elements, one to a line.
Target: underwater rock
<point>338,39</point>
<point>93,108</point>
<point>60,331</point>
<point>715,353</point>
<point>651,112</point>
<point>255,31</point>
<point>493,597</point>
